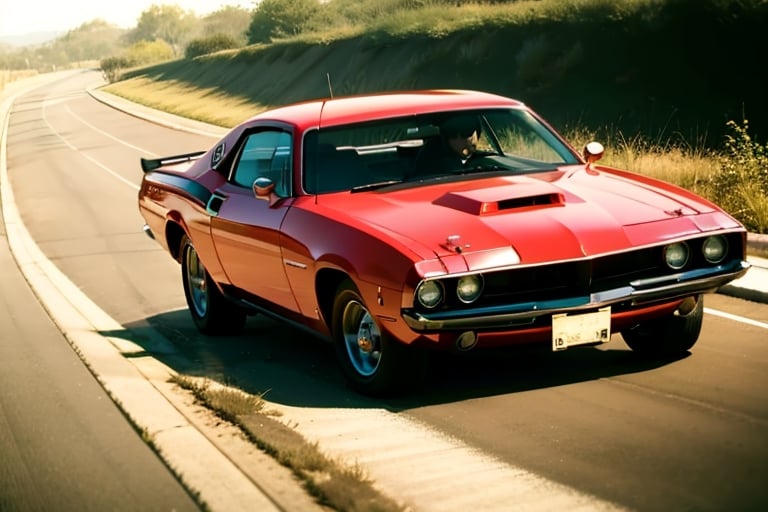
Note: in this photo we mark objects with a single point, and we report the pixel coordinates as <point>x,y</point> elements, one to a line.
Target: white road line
<point>736,318</point>
<point>108,135</point>
<point>71,146</point>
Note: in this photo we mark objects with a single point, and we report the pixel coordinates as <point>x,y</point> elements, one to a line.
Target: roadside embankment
<point>661,69</point>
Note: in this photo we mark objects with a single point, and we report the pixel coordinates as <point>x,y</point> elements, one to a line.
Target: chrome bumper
<point>510,316</point>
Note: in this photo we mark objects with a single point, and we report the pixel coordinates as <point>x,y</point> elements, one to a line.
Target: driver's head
<point>461,134</point>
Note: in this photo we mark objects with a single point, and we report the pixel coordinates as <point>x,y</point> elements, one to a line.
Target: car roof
<point>360,108</point>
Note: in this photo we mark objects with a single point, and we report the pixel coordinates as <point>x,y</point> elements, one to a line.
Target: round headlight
<point>715,248</point>
<point>430,294</point>
<point>469,288</point>
<point>676,255</point>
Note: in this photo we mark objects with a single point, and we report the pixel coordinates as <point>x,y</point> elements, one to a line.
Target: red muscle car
<point>394,223</point>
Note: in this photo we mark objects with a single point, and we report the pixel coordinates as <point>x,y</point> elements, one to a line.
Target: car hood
<point>568,213</point>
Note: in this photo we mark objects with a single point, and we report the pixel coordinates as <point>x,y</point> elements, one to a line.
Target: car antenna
<point>330,88</point>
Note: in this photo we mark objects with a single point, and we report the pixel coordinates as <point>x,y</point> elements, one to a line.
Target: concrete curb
<point>757,245</point>
<point>161,118</point>
<point>753,286</point>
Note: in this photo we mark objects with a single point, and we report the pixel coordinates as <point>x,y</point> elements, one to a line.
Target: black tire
<point>212,313</point>
<point>672,335</point>
<point>372,362</point>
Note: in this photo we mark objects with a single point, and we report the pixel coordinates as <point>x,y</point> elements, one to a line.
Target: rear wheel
<point>212,313</point>
<point>669,336</point>
<point>373,363</point>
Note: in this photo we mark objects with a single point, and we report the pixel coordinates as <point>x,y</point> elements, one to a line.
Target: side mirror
<point>593,152</point>
<point>263,187</point>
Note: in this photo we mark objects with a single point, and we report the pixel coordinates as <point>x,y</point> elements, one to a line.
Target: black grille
<point>580,278</point>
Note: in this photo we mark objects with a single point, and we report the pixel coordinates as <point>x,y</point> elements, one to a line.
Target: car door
<point>246,229</point>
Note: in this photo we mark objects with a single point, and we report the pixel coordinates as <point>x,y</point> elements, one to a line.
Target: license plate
<point>581,329</point>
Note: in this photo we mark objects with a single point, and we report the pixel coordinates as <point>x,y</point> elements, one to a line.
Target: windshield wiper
<point>374,186</point>
<point>483,167</point>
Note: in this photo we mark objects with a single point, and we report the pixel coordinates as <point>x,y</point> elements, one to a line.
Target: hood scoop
<point>502,199</point>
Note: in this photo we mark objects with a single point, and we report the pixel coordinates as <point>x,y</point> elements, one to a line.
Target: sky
<point>21,17</point>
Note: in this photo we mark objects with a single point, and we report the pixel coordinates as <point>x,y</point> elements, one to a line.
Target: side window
<point>265,154</point>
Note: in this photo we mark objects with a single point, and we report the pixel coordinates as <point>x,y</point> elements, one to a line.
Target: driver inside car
<point>452,149</point>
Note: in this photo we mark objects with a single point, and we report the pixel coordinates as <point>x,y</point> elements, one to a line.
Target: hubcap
<point>198,289</point>
<point>362,339</point>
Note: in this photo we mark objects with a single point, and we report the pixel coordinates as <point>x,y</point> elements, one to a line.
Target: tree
<point>148,52</point>
<point>280,18</point>
<point>169,23</point>
<point>229,20</point>
<point>92,40</point>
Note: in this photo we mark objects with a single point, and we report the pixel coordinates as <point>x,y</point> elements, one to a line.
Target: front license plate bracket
<point>581,329</point>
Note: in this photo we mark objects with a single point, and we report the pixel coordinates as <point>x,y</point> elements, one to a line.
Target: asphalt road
<point>64,444</point>
<point>586,429</point>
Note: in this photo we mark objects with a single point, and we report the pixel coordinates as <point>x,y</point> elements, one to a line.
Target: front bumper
<point>517,315</point>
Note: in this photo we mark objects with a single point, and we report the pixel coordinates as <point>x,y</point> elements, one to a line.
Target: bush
<point>212,44</point>
<point>281,18</point>
<point>138,54</point>
<point>112,67</point>
<point>149,52</point>
<point>741,185</point>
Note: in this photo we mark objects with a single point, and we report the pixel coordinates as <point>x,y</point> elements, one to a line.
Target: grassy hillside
<point>661,68</point>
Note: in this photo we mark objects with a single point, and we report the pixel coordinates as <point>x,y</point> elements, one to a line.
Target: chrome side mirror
<point>593,152</point>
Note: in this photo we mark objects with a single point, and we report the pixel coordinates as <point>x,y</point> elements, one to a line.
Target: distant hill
<point>31,39</point>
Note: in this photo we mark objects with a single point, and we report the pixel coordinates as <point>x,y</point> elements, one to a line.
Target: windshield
<point>429,147</point>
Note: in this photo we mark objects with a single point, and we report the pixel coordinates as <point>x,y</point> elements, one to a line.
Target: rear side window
<point>265,154</point>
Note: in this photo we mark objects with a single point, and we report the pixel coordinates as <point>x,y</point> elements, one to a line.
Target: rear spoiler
<point>149,164</point>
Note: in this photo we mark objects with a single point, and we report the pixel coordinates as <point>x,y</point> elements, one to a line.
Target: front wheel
<point>672,335</point>
<point>373,363</point>
<point>212,313</point>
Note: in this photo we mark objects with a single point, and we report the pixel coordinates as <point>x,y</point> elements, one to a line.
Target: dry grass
<point>333,483</point>
<point>203,104</point>
<point>7,76</point>
<point>689,169</point>
<point>736,178</point>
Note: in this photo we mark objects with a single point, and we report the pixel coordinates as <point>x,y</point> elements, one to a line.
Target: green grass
<point>333,483</point>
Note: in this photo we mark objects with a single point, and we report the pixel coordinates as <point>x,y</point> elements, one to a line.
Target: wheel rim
<point>196,284</point>
<point>362,339</point>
